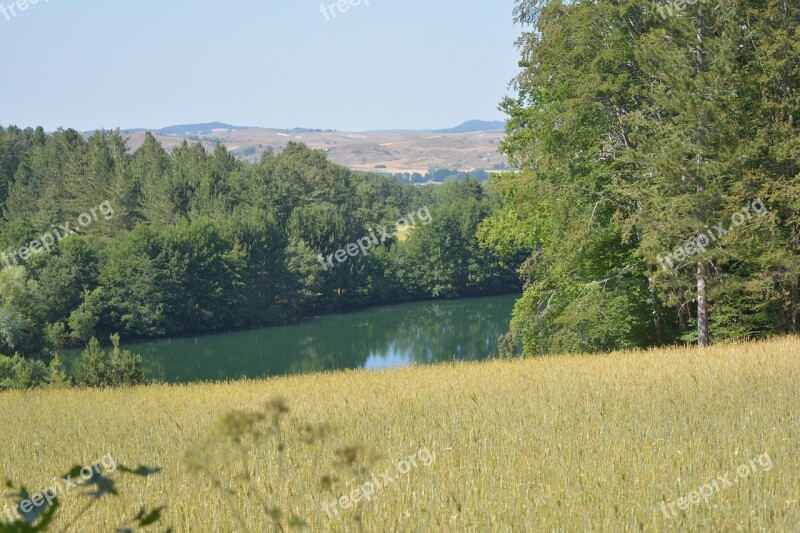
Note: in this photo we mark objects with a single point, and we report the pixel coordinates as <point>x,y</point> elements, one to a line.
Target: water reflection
<point>416,333</point>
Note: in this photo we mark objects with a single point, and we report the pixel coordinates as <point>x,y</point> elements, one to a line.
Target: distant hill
<point>465,148</point>
<point>388,152</point>
<point>191,129</point>
<point>207,128</point>
<point>472,126</point>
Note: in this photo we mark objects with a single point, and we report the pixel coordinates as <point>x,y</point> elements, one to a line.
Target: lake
<point>374,338</point>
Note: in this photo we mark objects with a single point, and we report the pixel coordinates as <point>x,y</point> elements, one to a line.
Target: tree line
<point>201,241</point>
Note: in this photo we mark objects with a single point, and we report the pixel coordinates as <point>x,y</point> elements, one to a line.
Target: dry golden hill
<point>391,151</point>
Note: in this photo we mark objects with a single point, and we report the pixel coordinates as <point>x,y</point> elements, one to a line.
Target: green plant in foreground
<point>41,517</point>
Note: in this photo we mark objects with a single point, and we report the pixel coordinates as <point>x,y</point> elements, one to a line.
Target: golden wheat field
<point>578,443</point>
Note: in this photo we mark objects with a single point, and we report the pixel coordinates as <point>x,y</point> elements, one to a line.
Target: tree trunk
<point>702,305</point>
<point>702,270</point>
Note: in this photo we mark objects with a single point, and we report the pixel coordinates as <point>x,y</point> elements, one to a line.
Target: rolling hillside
<point>383,151</point>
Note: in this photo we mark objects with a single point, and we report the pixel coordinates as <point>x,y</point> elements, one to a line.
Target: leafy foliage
<point>632,134</point>
<point>202,242</point>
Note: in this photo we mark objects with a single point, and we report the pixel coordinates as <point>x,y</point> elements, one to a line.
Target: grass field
<point>583,443</point>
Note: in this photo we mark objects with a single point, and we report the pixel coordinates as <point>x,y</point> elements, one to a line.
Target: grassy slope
<point>562,443</point>
<point>398,151</point>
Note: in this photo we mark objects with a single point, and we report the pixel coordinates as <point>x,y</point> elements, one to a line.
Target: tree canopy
<point>635,135</point>
<point>200,241</point>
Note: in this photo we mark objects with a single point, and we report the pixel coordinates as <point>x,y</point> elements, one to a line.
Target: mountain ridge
<point>472,126</point>
<point>206,128</point>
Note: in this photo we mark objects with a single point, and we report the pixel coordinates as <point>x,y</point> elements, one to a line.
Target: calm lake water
<point>382,337</point>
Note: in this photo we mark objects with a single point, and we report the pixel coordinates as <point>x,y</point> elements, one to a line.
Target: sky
<point>392,64</point>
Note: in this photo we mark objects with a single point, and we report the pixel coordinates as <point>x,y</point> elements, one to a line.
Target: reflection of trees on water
<point>445,332</point>
<point>423,332</point>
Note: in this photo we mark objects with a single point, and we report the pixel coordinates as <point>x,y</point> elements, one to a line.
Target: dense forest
<point>97,240</point>
<point>658,196</point>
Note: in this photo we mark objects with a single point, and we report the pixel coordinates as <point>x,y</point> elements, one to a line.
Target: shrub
<point>19,373</point>
<point>125,368</point>
<point>90,370</point>
<point>96,368</point>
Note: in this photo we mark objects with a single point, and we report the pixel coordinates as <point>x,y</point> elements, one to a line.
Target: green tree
<point>161,201</point>
<point>685,148</point>
<point>97,368</point>
<point>91,369</point>
<point>568,125</point>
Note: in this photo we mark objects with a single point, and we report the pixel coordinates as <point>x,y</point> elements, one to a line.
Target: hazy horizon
<point>382,66</point>
<point>269,127</point>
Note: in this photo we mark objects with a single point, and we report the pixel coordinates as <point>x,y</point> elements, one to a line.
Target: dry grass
<point>554,444</point>
<point>407,151</point>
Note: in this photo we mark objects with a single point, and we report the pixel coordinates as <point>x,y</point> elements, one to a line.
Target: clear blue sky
<point>412,64</point>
